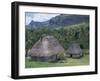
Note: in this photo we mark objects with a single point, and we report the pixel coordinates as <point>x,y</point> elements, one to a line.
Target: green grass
<point>67,62</point>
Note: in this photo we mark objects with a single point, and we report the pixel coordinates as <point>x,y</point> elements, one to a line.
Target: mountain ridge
<point>59,21</point>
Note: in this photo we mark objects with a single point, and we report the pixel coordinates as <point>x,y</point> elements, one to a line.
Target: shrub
<point>61,56</point>
<point>85,51</point>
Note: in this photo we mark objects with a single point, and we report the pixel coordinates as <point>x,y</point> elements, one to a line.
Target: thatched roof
<point>74,49</point>
<point>46,46</point>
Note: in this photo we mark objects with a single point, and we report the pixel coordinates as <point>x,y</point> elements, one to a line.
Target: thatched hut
<point>46,49</point>
<point>74,51</point>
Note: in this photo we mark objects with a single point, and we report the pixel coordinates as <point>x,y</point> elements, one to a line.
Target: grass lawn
<point>67,62</point>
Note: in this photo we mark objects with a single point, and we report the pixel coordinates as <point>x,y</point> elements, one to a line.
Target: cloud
<point>39,17</point>
<point>43,17</point>
<point>28,20</point>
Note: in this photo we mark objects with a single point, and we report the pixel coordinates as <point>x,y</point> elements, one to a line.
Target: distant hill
<point>59,21</point>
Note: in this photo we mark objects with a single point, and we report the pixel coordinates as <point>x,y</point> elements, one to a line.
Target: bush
<point>61,56</point>
<point>85,51</point>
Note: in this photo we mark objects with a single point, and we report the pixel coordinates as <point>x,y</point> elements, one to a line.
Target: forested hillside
<point>65,35</point>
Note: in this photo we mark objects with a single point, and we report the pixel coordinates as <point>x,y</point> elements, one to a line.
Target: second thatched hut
<point>74,51</point>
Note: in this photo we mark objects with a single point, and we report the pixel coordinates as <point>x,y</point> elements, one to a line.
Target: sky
<point>39,17</point>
